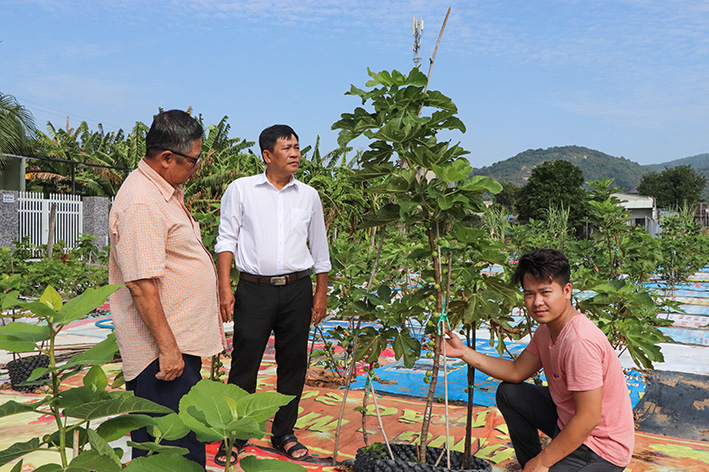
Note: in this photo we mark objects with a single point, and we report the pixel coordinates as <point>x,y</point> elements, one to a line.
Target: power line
<point>67,161</point>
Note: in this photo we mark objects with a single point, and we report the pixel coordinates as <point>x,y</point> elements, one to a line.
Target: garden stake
<point>312,343</point>
<point>442,325</point>
<point>368,388</point>
<point>353,367</point>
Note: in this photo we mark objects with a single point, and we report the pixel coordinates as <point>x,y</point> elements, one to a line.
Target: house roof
<point>634,202</point>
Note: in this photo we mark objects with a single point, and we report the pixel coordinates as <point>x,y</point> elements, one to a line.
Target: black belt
<point>276,279</point>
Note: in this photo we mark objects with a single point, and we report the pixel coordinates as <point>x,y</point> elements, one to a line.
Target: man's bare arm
<point>515,371</point>
<point>587,417</point>
<point>226,294</point>
<point>320,298</point>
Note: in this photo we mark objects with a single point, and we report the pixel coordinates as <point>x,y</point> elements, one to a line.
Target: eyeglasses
<point>194,160</point>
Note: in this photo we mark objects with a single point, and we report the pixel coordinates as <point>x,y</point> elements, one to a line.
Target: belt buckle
<point>278,281</point>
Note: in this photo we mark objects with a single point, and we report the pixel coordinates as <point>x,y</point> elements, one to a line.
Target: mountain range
<point>595,165</point>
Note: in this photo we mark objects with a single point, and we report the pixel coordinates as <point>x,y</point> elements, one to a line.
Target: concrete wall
<point>95,215</point>
<point>9,217</point>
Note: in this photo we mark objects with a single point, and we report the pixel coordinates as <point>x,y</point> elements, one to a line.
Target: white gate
<point>34,212</point>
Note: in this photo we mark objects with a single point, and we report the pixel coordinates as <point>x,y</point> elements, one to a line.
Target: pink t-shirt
<point>582,359</point>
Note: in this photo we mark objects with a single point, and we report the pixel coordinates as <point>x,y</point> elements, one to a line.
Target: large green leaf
<point>124,403</point>
<point>197,421</point>
<point>82,305</point>
<point>26,332</point>
<point>18,450</point>
<point>11,407</point>
<point>205,410</point>
<point>51,298</point>
<point>370,344</point>
<point>78,396</point>
<point>9,300</point>
<point>93,461</point>
<point>100,354</point>
<point>18,467</point>
<point>39,309</point>
<point>100,445</point>
<point>163,463</point>
<point>247,428</point>
<point>453,171</point>
<point>159,448</point>
<point>388,214</point>
<point>115,428</point>
<point>406,346</point>
<point>478,183</point>
<point>436,99</point>
<point>95,379</point>
<point>262,405</point>
<point>14,344</point>
<point>446,202</point>
<point>169,427</point>
<point>253,464</point>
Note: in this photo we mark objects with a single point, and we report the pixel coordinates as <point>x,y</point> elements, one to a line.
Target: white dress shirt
<point>268,229</point>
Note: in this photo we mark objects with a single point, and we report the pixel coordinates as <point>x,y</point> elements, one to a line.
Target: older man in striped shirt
<point>167,316</point>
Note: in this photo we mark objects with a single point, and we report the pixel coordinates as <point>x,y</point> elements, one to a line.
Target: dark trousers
<point>528,409</point>
<point>168,394</point>
<point>286,310</point>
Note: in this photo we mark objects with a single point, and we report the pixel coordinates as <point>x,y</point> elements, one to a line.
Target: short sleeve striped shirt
<point>153,236</point>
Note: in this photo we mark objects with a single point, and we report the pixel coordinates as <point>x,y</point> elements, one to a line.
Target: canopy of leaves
<point>675,187</point>
<point>16,128</point>
<point>554,184</point>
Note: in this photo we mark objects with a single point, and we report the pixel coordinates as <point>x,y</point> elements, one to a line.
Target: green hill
<point>595,165</point>
<point>700,163</point>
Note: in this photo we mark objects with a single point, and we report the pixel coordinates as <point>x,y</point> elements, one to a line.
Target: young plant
<point>215,411</point>
<point>74,409</point>
<point>426,181</point>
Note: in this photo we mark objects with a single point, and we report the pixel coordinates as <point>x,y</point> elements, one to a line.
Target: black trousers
<point>286,311</point>
<point>528,409</point>
<point>168,394</point>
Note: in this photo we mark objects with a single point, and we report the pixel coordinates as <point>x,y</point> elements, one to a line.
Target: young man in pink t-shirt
<point>586,407</point>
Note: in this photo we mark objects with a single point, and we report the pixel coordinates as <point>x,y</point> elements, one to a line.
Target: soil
<point>324,379</point>
<point>38,390</point>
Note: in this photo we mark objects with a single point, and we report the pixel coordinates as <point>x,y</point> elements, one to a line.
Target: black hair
<point>172,130</point>
<point>269,137</point>
<point>543,264</point>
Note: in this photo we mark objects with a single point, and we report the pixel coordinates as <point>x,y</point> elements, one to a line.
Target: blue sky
<point>627,77</point>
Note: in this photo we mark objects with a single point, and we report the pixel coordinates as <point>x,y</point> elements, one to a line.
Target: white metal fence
<point>34,212</point>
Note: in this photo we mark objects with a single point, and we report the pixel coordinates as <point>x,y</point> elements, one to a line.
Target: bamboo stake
<point>353,366</point>
<point>433,58</point>
<point>379,417</point>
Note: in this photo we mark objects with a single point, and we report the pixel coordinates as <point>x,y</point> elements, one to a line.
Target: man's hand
<point>454,346</point>
<point>146,298</point>
<point>319,298</point>
<point>319,308</point>
<point>535,465</point>
<point>171,365</point>
<point>226,303</point>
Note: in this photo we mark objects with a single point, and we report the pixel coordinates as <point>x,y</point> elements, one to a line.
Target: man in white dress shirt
<point>267,221</point>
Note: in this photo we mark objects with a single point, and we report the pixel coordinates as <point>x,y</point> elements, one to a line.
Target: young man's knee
<point>506,393</point>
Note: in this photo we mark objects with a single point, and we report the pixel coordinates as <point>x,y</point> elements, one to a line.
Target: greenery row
<point>414,246</point>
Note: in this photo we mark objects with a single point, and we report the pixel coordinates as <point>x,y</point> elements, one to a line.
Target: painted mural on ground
<point>401,417</point>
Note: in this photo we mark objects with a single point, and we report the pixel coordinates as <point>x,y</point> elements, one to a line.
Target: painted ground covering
<point>401,417</point>
<point>400,391</point>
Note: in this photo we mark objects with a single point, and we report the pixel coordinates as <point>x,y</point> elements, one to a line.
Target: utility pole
<point>417,30</point>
